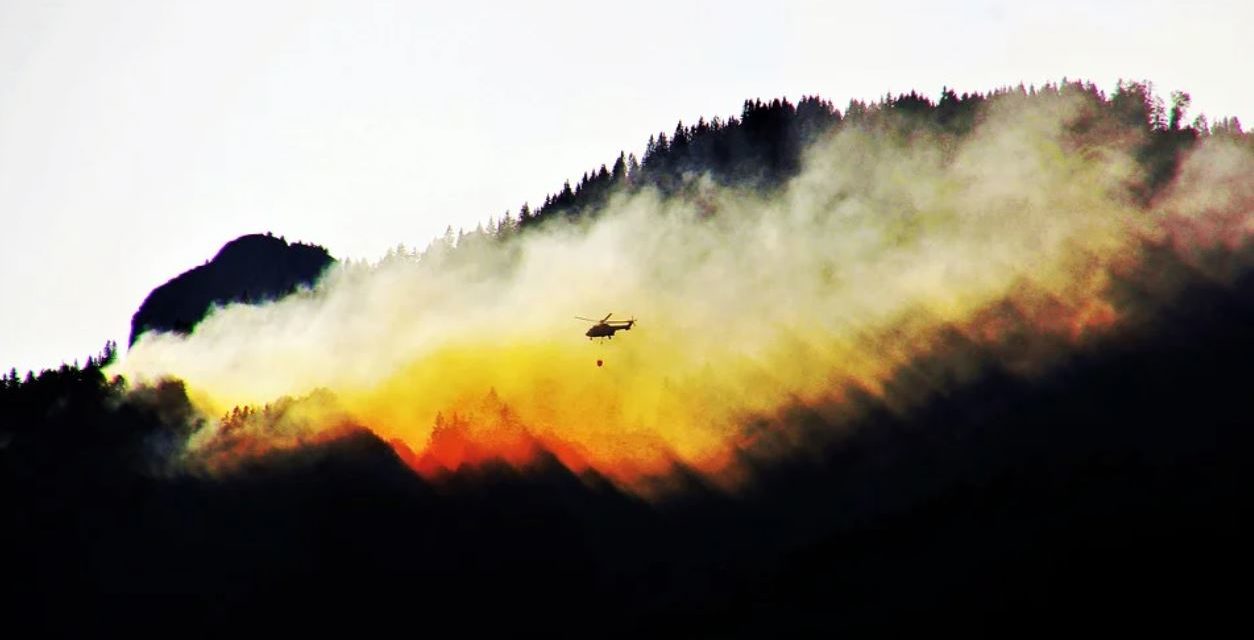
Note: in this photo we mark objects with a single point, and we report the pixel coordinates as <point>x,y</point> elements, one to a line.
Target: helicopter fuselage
<point>606,330</point>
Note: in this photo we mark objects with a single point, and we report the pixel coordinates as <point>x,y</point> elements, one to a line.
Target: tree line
<point>762,148</point>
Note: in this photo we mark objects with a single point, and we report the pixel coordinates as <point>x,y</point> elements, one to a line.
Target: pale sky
<point>139,136</point>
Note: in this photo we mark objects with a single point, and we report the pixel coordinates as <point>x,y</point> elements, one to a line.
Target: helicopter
<point>605,328</point>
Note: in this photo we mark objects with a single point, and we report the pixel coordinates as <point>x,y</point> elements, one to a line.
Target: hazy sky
<point>137,137</point>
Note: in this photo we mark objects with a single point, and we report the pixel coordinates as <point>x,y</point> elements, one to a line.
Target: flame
<point>640,417</point>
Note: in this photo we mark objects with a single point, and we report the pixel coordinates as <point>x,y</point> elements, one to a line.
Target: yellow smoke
<point>887,237</point>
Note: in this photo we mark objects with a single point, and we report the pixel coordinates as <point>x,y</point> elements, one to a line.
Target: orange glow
<point>631,429</point>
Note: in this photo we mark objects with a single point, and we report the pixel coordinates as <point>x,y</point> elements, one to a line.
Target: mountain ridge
<point>251,268</point>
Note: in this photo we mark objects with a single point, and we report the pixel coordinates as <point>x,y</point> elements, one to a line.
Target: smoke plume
<point>891,241</point>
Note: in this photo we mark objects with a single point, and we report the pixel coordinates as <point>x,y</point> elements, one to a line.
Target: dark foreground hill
<point>1113,494</point>
<point>251,268</point>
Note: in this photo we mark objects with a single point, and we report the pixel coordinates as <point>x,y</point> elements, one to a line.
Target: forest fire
<point>880,254</point>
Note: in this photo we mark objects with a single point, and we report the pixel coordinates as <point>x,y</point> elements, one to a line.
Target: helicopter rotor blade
<point>585,319</point>
<point>607,316</point>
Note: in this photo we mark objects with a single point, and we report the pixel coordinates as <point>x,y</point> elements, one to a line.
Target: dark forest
<point>1111,493</point>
